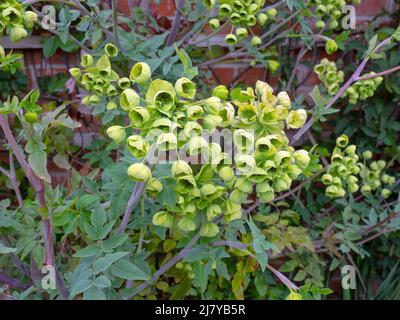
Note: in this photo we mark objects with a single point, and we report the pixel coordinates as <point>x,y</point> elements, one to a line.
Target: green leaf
<point>80,287</point>
<point>6,250</point>
<point>102,282</point>
<point>189,70</point>
<point>90,251</point>
<point>129,271</point>
<point>50,46</point>
<point>105,262</point>
<point>38,160</point>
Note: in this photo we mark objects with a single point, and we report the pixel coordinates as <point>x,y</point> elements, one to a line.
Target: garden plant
<point>180,185</point>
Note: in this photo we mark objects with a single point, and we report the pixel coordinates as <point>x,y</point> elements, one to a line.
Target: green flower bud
<point>296,119</point>
<point>212,105</point>
<point>247,113</point>
<point>334,191</point>
<point>243,140</point>
<point>29,19</point>
<point>111,50</point>
<point>187,224</point>
<point>17,32</point>
<point>331,46</point>
<point>209,230</point>
<point>273,65</point>
<point>194,112</point>
<point>231,39</point>
<point>353,187</point>
<point>327,179</point>
<point>139,117</point>
<point>191,129</point>
<point>167,141</point>
<point>245,163</point>
<point>94,99</point>
<point>253,8</point>
<point>124,83</point>
<point>214,24</point>
<point>334,24</point>
<point>213,211</point>
<point>232,211</point>
<point>111,105</point>
<point>366,189</point>
<point>271,13</point>
<point>302,158</point>
<point>87,61</point>
<point>227,174</point>
<point>241,33</point>
<point>31,116</point>
<point>256,41</point>
<point>137,146</point>
<point>111,91</point>
<point>103,65</point>
<point>11,15</point>
<point>262,18</point>
<point>224,10</point>
<point>211,122</point>
<point>76,73</point>
<point>321,10</point>
<point>209,3</point>
<point>163,219</point>
<point>342,141</point>
<point>197,145</point>
<point>154,186</point>
<point>237,197</point>
<point>129,99</point>
<point>181,168</point>
<point>284,99</point>
<point>294,296</point>
<point>385,193</point>
<point>282,183</point>
<point>381,164</point>
<point>116,133</point>
<point>221,92</point>
<point>385,178</point>
<point>139,172</point>
<point>140,72</point>
<point>320,24</point>
<point>185,88</point>
<point>282,158</point>
<point>227,114</point>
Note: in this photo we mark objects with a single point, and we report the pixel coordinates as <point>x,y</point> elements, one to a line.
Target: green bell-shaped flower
<point>301,158</point>
<point>129,99</point>
<point>243,140</point>
<point>296,119</point>
<point>163,219</point>
<point>181,168</point>
<point>197,145</point>
<point>124,83</point>
<point>29,19</point>
<point>187,224</point>
<point>185,184</point>
<point>245,163</point>
<point>209,230</point>
<point>221,92</point>
<point>140,72</point>
<point>247,113</point>
<point>137,146</point>
<point>139,172</point>
<point>161,94</point>
<point>212,105</point>
<point>154,186</point>
<point>167,141</point>
<point>116,133</point>
<point>87,61</point>
<point>139,117</point>
<point>111,50</point>
<point>17,32</point>
<point>213,211</point>
<point>232,211</point>
<point>185,88</point>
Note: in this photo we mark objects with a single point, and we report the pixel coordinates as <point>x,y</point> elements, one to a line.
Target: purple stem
<point>176,23</point>
<point>133,200</point>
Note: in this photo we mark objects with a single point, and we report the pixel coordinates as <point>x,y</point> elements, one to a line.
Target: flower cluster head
<point>167,118</point>
<point>99,79</point>
<point>343,170</point>
<point>364,89</point>
<point>14,20</point>
<point>374,177</point>
<point>242,15</point>
<point>330,12</point>
<point>328,74</point>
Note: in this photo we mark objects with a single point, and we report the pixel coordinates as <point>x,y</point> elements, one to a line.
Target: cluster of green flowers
<point>330,11</point>
<point>374,177</point>
<point>14,20</point>
<point>343,170</point>
<point>364,89</point>
<point>242,14</point>
<point>99,79</point>
<point>330,77</point>
<point>169,119</point>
